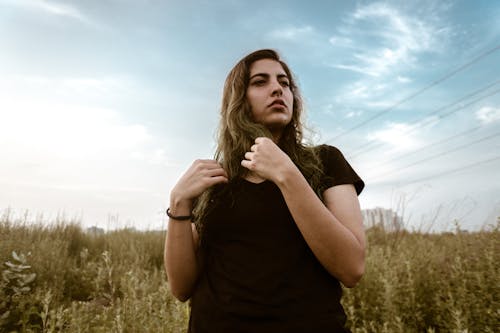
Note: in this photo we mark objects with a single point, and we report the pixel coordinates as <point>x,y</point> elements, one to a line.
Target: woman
<point>275,224</point>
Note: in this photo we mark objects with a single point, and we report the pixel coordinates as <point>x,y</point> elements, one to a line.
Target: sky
<point>104,104</point>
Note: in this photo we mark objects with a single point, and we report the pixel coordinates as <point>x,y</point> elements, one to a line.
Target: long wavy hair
<point>237,132</point>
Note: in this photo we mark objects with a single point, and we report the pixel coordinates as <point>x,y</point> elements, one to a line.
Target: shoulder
<point>337,169</point>
<point>328,153</point>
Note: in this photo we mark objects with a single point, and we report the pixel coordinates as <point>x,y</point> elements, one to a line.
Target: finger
<point>216,172</point>
<point>253,148</point>
<point>206,164</point>
<point>249,155</point>
<point>203,161</point>
<point>216,180</point>
<point>224,172</point>
<point>213,164</point>
<point>259,139</point>
<point>247,164</point>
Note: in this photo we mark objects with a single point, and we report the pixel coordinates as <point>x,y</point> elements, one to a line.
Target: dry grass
<point>428,283</point>
<point>61,279</point>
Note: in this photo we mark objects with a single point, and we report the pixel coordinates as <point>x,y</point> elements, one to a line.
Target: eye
<point>259,82</point>
<point>285,83</point>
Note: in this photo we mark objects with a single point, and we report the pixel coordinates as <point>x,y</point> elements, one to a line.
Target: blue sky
<point>103,104</point>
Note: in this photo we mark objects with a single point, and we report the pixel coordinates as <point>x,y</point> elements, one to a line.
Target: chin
<point>273,126</point>
<point>279,120</point>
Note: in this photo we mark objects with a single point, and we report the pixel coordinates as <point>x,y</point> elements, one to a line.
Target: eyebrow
<point>280,76</point>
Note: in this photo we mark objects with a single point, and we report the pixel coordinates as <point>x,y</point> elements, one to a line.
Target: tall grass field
<point>60,278</point>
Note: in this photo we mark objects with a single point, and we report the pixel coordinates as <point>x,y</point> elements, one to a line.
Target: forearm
<point>335,246</point>
<point>180,255</point>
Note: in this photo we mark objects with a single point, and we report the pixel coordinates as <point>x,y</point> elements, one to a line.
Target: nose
<point>277,89</point>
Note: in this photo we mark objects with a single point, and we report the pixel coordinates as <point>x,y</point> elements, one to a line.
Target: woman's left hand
<point>267,160</point>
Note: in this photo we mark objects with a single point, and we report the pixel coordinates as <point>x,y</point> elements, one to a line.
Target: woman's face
<point>269,95</point>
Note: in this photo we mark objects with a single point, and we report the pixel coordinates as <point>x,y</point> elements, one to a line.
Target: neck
<point>276,136</point>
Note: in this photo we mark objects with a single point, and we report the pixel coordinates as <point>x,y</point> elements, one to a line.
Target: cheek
<point>255,101</point>
<point>250,96</point>
<point>291,100</point>
<point>251,104</point>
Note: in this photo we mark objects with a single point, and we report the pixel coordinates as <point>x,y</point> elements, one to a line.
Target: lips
<point>278,102</point>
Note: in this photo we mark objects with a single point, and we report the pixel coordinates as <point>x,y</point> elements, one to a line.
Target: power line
<point>362,148</point>
<point>449,172</point>
<point>425,122</point>
<point>439,154</point>
<point>418,92</point>
<point>432,144</point>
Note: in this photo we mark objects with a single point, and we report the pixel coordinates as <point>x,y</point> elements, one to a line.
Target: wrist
<point>179,217</point>
<point>179,206</point>
<point>287,174</point>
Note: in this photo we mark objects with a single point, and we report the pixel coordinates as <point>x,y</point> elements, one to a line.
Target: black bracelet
<point>179,218</point>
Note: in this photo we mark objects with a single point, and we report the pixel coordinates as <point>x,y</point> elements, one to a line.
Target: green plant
<point>19,311</point>
<point>80,282</point>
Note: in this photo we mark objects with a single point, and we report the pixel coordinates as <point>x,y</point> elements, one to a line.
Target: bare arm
<point>181,264</point>
<point>181,243</point>
<point>333,230</point>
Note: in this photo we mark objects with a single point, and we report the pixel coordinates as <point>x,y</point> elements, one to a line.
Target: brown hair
<point>237,130</point>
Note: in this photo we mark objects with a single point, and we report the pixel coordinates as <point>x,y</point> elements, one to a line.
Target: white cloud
<point>488,114</point>
<point>51,8</point>
<point>291,33</point>
<point>156,157</point>
<point>56,123</point>
<point>68,131</point>
<point>383,43</point>
<point>395,39</point>
<point>353,114</point>
<point>403,79</point>
<point>103,85</point>
<point>356,68</point>
<point>66,88</point>
<point>396,135</point>
<point>370,92</point>
<point>341,41</point>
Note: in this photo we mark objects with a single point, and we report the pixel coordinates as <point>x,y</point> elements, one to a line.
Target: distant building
<point>382,217</point>
<point>95,231</point>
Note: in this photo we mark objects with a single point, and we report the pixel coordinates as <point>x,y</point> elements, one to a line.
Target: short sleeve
<point>337,170</point>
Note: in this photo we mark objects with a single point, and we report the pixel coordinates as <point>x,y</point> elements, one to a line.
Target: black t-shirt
<point>259,275</point>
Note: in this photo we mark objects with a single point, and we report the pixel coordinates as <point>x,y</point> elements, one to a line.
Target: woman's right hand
<point>200,176</point>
